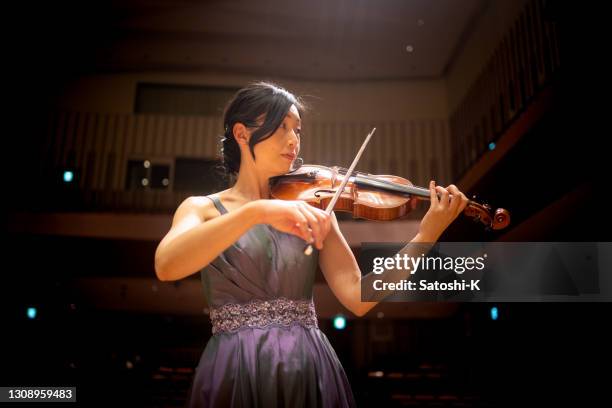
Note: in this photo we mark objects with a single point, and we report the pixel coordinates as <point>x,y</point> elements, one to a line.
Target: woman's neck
<point>250,187</point>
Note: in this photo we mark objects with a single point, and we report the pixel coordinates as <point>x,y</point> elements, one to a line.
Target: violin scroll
<point>482,213</point>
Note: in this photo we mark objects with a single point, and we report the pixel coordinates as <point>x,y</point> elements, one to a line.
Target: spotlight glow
<point>68,176</point>
<point>339,322</point>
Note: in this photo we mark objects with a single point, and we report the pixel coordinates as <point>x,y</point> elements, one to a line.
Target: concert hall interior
<point>115,116</point>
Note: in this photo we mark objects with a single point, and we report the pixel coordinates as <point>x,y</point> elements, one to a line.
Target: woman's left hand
<point>442,211</point>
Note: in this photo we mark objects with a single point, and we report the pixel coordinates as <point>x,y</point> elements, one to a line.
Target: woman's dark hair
<point>247,105</point>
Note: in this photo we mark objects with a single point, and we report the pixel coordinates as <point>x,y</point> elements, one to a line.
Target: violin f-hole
<point>316,193</point>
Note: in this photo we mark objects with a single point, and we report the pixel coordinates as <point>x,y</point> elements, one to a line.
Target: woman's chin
<point>287,166</point>
<point>282,171</point>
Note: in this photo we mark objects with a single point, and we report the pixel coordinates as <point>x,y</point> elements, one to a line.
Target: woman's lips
<point>289,157</point>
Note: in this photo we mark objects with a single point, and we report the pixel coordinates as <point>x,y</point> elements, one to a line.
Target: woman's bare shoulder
<point>204,205</point>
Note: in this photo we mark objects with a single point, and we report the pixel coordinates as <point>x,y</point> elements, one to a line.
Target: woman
<point>266,349</point>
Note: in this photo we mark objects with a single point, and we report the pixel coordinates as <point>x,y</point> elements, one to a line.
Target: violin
<point>373,197</point>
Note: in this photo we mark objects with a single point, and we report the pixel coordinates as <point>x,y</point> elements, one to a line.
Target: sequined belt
<point>232,317</point>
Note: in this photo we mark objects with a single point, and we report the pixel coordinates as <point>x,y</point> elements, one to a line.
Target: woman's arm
<point>192,243</point>
<point>340,267</point>
<point>342,272</point>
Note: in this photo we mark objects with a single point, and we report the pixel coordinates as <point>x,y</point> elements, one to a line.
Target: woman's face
<point>276,154</point>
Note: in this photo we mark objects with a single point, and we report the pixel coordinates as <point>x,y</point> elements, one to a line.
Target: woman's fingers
<point>325,222</point>
<point>433,195</point>
<point>302,225</point>
<point>455,200</point>
<point>458,200</point>
<point>313,223</point>
<point>319,221</point>
<point>444,201</point>
<point>446,205</point>
<point>464,202</point>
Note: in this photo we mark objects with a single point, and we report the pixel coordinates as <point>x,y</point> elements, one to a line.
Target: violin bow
<point>332,203</point>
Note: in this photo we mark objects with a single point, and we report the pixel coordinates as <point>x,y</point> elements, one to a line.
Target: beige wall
<point>381,100</point>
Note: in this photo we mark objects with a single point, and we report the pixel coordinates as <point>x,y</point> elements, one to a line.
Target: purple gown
<point>276,356</point>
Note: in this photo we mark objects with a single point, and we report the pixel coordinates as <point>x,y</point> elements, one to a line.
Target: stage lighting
<point>494,313</point>
<point>68,176</point>
<point>339,322</point>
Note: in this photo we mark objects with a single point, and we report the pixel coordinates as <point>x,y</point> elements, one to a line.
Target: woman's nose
<point>293,138</point>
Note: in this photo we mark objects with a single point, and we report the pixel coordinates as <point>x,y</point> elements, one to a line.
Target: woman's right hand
<point>296,217</point>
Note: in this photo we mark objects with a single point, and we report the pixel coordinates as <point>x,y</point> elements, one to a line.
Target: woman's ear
<point>241,134</point>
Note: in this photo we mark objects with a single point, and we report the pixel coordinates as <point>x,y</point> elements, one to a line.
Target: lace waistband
<point>258,313</point>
